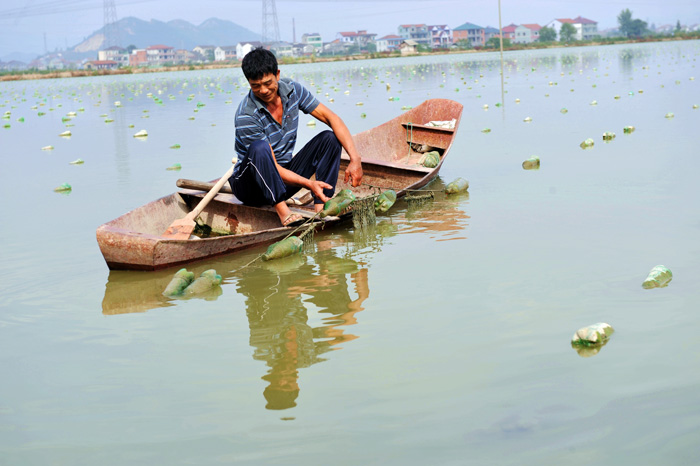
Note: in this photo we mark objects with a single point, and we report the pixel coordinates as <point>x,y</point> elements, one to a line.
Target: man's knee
<point>259,148</point>
<point>329,137</point>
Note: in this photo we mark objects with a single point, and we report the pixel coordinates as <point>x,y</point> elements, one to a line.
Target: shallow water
<point>441,336</point>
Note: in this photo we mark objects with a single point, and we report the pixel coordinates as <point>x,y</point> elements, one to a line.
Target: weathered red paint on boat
<point>134,241</point>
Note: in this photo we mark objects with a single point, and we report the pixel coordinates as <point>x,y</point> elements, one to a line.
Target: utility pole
<point>110,30</point>
<point>294,32</point>
<point>46,49</point>
<point>270,28</point>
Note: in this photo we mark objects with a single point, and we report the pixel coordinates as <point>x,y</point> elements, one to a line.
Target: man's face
<point>265,88</point>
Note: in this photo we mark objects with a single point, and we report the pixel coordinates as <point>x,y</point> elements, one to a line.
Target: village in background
<point>106,50</point>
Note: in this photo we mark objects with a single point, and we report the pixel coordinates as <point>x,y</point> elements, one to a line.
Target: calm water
<point>439,337</point>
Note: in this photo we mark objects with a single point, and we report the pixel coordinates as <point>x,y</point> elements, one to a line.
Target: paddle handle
<point>210,195</point>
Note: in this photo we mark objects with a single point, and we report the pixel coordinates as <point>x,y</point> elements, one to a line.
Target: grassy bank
<point>37,74</point>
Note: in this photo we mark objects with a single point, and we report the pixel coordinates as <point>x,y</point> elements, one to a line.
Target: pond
<point>439,336</point>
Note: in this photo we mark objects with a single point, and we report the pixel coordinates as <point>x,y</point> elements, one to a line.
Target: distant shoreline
<point>294,61</point>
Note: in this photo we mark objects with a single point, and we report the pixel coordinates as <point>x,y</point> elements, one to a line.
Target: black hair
<point>259,62</point>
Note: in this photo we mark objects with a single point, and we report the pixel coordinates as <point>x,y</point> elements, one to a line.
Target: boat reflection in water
<point>300,307</point>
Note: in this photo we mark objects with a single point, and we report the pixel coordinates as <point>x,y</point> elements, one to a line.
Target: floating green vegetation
<point>486,130</point>
<point>628,129</point>
<point>77,162</point>
<point>533,163</point>
<point>608,136</point>
<point>587,144</point>
<point>175,146</point>
<point>563,110</point>
<point>175,167</point>
<point>65,187</point>
<point>669,115</point>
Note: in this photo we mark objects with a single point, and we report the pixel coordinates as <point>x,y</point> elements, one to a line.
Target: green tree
<point>631,27</point>
<point>567,32</point>
<point>130,48</point>
<point>371,47</point>
<point>463,44</point>
<point>495,43</point>
<point>678,26</point>
<point>209,55</point>
<point>548,34</point>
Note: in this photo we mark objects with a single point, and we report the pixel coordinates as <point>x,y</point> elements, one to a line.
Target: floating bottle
<point>628,129</point>
<point>385,200</point>
<point>179,282</point>
<point>593,335</point>
<point>659,277</point>
<point>65,187</point>
<point>337,204</point>
<point>608,136</point>
<point>206,281</point>
<point>175,166</point>
<point>457,186</point>
<point>141,134</point>
<point>533,163</point>
<point>587,144</point>
<point>284,248</point>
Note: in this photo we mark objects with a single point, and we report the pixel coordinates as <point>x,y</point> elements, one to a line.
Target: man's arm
<point>354,170</point>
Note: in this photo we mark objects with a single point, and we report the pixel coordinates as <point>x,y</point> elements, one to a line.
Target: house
<point>101,65</point>
<point>471,33</point>
<point>313,39</point>
<point>114,53</point>
<point>242,48</point>
<point>336,47</point>
<point>359,38</point>
<point>509,31</point>
<point>225,53</point>
<point>490,32</point>
<point>158,55</point>
<point>440,36</point>
<point>416,32</point>
<point>408,47</point>
<point>588,28</point>
<point>527,33</point>
<point>185,56</point>
<point>301,49</point>
<point>13,65</point>
<point>282,49</point>
<point>389,43</point>
<point>205,50</point>
<point>138,58</point>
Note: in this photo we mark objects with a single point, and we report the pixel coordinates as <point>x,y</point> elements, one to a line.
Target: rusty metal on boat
<point>133,241</point>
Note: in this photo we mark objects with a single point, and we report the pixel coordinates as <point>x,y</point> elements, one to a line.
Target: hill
<point>176,33</point>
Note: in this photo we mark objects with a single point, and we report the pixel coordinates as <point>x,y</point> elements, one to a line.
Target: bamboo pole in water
<point>500,30</point>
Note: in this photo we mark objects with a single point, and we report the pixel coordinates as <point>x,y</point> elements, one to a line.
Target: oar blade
<point>180,229</point>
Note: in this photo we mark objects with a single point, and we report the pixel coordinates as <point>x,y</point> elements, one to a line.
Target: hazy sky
<point>67,22</point>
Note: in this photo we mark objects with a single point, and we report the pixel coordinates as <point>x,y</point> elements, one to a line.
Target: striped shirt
<point>254,122</point>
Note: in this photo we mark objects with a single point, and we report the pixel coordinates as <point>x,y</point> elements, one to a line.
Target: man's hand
<point>354,173</point>
<point>317,187</point>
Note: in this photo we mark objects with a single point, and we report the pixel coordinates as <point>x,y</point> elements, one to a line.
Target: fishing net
<point>363,214</point>
<point>419,198</point>
<point>307,238</point>
<point>431,159</point>
<point>284,248</point>
<point>457,186</point>
<point>385,200</point>
<point>179,282</point>
<point>208,280</point>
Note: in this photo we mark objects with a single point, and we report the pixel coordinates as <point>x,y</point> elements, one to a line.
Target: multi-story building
<point>490,32</point>
<point>471,33</point>
<point>313,39</point>
<point>440,36</point>
<point>138,57</point>
<point>359,38</point>
<point>159,55</point>
<point>416,32</point>
<point>527,33</point>
<point>389,43</point>
<point>586,29</point>
<point>225,53</point>
<point>114,53</point>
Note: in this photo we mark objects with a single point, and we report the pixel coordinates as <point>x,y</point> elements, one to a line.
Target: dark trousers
<point>257,182</point>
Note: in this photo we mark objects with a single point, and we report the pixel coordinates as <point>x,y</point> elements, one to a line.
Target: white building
<point>226,53</point>
<point>242,48</point>
<point>527,33</point>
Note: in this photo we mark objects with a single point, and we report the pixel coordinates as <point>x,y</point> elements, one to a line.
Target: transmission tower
<point>110,30</point>
<point>270,28</point>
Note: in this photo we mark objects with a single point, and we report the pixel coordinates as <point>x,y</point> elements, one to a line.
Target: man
<point>266,131</point>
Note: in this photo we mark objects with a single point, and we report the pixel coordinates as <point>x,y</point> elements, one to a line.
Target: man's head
<point>258,63</point>
<point>260,69</point>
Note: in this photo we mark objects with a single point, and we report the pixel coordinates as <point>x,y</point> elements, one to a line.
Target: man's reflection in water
<point>277,295</point>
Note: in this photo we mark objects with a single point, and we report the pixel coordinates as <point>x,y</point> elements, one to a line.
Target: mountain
<point>176,33</point>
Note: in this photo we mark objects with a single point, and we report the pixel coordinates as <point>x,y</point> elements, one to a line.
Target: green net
<point>418,198</point>
<point>363,214</point>
<point>179,282</point>
<point>431,159</point>
<point>208,280</point>
<point>284,248</point>
<point>385,200</point>
<point>457,186</point>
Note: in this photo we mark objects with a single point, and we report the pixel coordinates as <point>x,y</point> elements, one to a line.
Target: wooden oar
<point>183,228</point>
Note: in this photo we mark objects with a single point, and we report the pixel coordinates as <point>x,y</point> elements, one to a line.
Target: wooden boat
<point>133,241</point>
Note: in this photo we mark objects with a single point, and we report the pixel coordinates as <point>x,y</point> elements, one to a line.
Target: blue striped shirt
<point>254,122</point>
